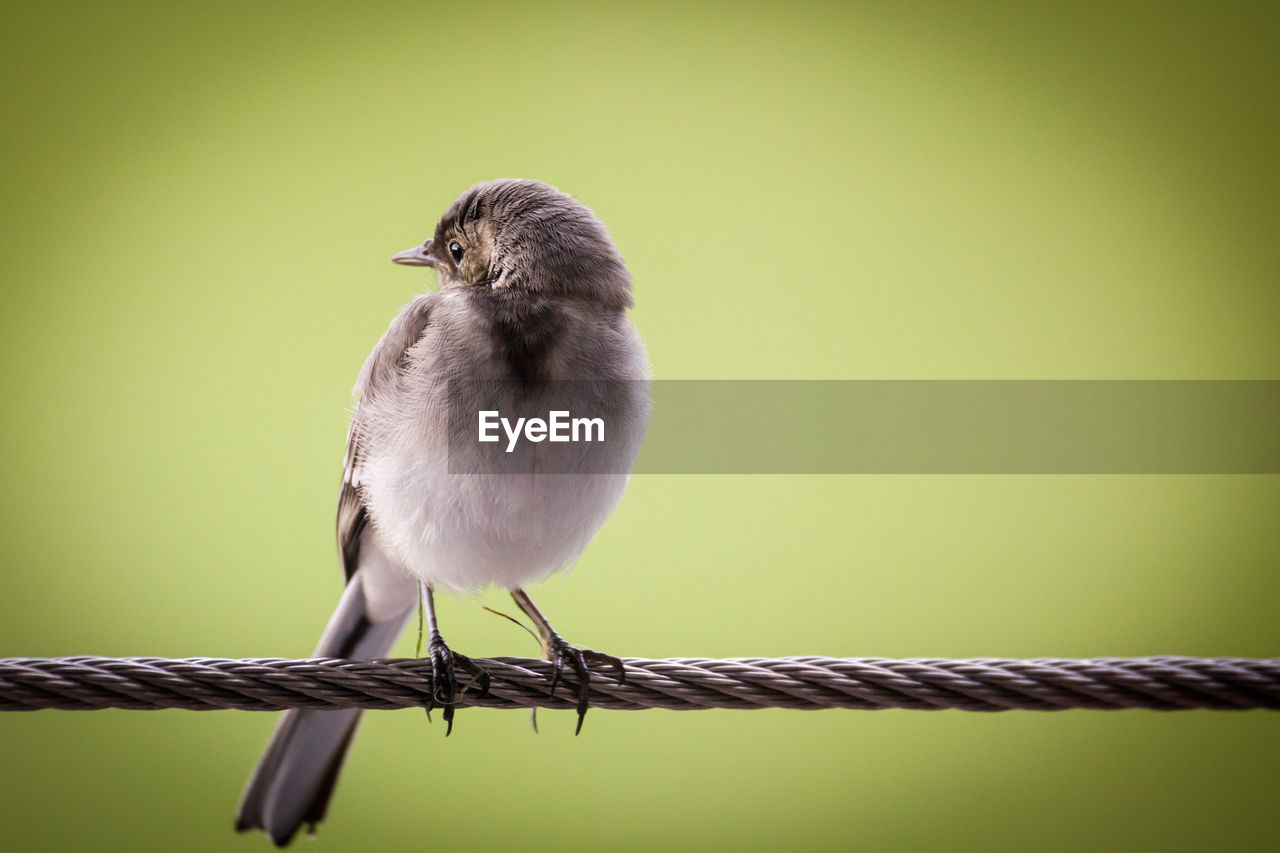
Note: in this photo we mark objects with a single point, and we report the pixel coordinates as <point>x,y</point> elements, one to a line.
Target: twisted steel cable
<point>980,684</point>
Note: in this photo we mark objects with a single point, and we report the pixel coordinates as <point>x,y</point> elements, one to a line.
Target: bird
<point>531,310</point>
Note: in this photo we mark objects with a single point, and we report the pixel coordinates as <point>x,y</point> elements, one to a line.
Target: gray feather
<point>294,780</point>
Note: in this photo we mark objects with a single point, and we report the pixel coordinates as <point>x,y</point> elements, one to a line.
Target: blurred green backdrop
<point>199,203</point>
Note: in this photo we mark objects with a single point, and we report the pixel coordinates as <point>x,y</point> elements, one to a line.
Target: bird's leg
<point>556,650</point>
<point>444,664</point>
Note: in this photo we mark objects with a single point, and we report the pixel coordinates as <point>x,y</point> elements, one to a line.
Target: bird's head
<point>524,236</point>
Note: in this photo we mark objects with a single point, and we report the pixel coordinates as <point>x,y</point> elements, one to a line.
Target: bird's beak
<point>418,256</point>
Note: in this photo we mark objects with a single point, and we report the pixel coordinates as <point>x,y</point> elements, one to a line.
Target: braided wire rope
<point>980,684</point>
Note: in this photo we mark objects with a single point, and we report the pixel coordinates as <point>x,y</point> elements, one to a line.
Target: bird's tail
<point>295,777</point>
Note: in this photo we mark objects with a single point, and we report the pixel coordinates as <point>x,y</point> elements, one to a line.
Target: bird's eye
<point>455,249</point>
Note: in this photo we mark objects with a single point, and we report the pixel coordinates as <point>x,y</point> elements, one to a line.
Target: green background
<point>198,208</point>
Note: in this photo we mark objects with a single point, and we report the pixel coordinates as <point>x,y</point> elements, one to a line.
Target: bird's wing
<point>381,369</point>
<point>352,516</point>
<point>294,780</point>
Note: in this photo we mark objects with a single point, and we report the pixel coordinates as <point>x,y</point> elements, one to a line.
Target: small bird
<point>533,298</point>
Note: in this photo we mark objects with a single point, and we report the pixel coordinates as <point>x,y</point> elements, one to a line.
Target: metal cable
<point>981,684</point>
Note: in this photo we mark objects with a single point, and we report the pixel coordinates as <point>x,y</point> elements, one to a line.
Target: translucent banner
<point>866,427</point>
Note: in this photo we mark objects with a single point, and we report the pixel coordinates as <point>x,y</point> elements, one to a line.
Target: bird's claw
<point>561,653</point>
<point>444,679</point>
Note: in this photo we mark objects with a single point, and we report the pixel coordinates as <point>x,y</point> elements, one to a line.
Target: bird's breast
<point>525,340</point>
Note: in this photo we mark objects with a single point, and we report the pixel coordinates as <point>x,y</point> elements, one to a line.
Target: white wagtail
<point>532,291</point>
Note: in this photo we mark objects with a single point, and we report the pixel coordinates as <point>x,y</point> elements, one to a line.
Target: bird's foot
<point>561,654</point>
<point>445,664</point>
